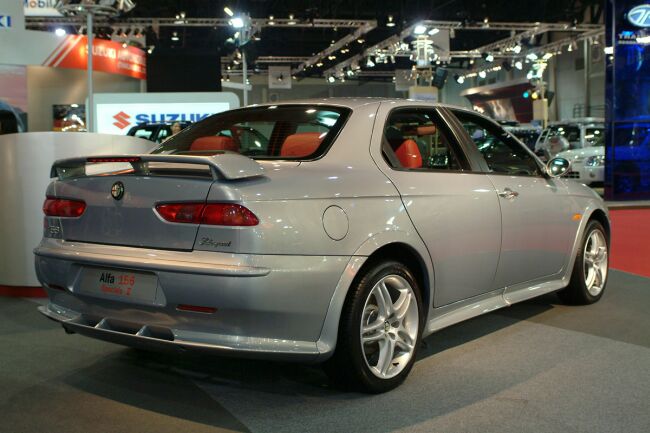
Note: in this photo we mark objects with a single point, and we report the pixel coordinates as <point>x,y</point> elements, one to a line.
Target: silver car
<point>340,231</point>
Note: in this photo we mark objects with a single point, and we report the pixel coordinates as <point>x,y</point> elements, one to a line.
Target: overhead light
<point>519,65</point>
<point>331,79</point>
<point>459,79</point>
<point>271,22</point>
<point>151,48</point>
<point>643,40</point>
<point>433,31</point>
<point>530,75</point>
<point>526,94</point>
<point>452,33</point>
<point>124,45</point>
<point>370,63</point>
<point>319,64</point>
<point>360,41</point>
<point>534,95</point>
<point>237,22</point>
<point>390,22</point>
<point>291,21</point>
<point>350,72</point>
<point>228,11</point>
<point>471,61</point>
<point>516,49</point>
<point>482,74</point>
<point>60,32</point>
<point>175,37</point>
<point>531,56</point>
<point>488,57</point>
<point>547,56</point>
<point>419,29</point>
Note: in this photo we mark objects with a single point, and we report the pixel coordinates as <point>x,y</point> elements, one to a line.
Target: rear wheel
<point>380,330</point>
<point>590,270</point>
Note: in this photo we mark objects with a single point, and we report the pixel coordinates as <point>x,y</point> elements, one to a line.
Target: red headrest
<point>301,144</point>
<point>212,142</point>
<point>409,154</point>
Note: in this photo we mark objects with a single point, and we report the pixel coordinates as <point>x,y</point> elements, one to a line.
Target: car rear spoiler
<point>222,165</point>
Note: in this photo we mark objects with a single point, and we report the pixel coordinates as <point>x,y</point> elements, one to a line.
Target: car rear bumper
<point>268,306</point>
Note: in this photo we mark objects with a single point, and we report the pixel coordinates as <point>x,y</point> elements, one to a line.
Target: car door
<point>453,207</point>
<point>536,213</point>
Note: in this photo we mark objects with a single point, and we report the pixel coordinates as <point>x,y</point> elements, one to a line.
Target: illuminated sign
<point>119,118</point>
<point>108,56</point>
<point>5,21</point>
<point>639,15</point>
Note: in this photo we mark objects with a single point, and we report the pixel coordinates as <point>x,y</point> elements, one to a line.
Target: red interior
<point>202,144</point>
<point>301,144</point>
<point>409,154</point>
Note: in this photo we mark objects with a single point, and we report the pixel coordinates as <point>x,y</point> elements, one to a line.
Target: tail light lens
<point>228,214</point>
<point>60,207</point>
<point>181,212</point>
<point>219,214</point>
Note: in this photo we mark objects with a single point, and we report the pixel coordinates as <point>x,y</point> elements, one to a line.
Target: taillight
<point>60,207</point>
<point>228,214</point>
<point>181,212</point>
<point>219,214</point>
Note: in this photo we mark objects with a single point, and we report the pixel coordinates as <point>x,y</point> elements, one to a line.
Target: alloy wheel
<point>595,262</point>
<point>389,326</point>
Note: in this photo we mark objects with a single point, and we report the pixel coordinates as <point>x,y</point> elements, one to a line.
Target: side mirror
<point>557,167</point>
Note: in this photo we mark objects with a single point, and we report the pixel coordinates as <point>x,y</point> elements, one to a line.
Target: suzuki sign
<point>118,113</point>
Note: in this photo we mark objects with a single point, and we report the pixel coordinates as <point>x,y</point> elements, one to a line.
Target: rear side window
<point>273,132</point>
<point>415,140</point>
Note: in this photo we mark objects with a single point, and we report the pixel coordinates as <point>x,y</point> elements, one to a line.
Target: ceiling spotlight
<point>271,20</point>
<point>291,21</point>
<point>361,41</point>
<point>331,79</point>
<point>433,31</point>
<point>531,56</point>
<point>452,33</point>
<point>459,78</point>
<point>175,37</point>
<point>151,48</point>
<point>124,45</point>
<point>237,22</point>
<point>60,32</point>
<point>319,64</point>
<point>547,56</point>
<point>390,22</point>
<point>519,65</point>
<point>488,57</point>
<point>419,29</point>
<point>482,74</point>
<point>471,61</point>
<point>370,63</point>
<point>516,49</point>
<point>228,11</point>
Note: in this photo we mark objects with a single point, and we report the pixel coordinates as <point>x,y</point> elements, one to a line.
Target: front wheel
<point>380,330</point>
<point>590,270</point>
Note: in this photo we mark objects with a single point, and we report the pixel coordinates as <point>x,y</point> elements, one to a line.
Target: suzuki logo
<point>5,21</point>
<point>639,15</point>
<point>122,120</point>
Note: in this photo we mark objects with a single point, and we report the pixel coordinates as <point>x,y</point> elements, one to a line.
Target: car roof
<point>354,102</point>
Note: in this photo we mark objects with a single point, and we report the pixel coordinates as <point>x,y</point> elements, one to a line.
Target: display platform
<point>537,367</point>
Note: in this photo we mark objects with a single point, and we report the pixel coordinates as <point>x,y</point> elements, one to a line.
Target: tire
<point>589,276</point>
<point>366,366</point>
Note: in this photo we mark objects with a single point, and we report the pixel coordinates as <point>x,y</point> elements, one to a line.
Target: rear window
<point>272,132</point>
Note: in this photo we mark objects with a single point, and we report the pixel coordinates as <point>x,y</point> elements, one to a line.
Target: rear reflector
<point>219,214</point>
<point>121,159</point>
<point>60,207</point>
<point>196,309</point>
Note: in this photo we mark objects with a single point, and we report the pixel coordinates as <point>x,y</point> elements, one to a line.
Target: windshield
<point>570,132</point>
<point>595,136</point>
<point>272,132</point>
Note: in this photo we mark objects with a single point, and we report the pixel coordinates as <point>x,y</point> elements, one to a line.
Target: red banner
<point>108,56</point>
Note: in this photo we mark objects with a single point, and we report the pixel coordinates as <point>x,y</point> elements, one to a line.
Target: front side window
<point>502,153</point>
<point>413,139</point>
<point>273,132</point>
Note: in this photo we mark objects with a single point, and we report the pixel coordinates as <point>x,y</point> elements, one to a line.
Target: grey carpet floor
<point>535,367</point>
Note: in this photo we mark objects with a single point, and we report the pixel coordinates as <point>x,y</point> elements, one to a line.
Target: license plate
<point>119,284</point>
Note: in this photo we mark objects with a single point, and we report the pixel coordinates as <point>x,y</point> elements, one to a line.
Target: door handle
<point>509,194</point>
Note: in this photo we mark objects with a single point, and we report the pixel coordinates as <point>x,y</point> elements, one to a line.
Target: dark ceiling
<point>307,41</point>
